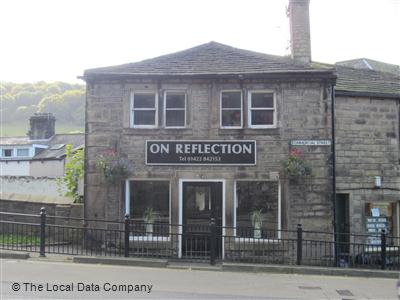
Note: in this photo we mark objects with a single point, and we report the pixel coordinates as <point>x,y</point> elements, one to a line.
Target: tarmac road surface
<point>63,280</point>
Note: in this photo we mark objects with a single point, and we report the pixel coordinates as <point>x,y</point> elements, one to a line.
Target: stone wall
<point>302,112</point>
<point>367,133</point>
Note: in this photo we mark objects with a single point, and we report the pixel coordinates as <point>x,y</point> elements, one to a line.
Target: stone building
<point>367,149</point>
<point>209,130</point>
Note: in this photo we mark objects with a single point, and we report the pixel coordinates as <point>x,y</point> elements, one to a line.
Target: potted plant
<point>256,221</point>
<point>113,167</point>
<point>149,216</point>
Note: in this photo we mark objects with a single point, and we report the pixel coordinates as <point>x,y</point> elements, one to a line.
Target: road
<point>63,280</point>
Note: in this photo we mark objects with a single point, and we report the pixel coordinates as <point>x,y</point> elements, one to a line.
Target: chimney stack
<point>42,126</point>
<point>300,39</point>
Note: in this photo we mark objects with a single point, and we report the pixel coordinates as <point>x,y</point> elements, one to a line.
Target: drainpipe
<point>333,150</point>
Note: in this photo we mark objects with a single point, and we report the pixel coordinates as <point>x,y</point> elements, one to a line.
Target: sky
<point>56,40</point>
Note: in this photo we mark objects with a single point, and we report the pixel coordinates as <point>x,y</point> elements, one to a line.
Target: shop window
<point>175,110</point>
<point>149,207</point>
<point>7,152</point>
<point>380,216</point>
<point>257,209</point>
<point>144,110</point>
<point>231,109</point>
<point>23,152</point>
<point>261,110</point>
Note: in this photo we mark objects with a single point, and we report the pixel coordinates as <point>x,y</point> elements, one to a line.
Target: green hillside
<point>20,101</point>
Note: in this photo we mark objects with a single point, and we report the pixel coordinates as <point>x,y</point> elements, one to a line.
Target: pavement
<point>51,277</point>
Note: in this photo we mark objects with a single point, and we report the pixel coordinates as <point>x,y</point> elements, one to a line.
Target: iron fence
<point>196,242</point>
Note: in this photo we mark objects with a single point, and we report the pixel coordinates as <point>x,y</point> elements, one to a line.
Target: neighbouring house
<point>31,165</point>
<point>370,64</point>
<point>367,150</point>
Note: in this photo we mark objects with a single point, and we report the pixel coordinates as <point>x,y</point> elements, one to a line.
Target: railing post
<point>383,249</point>
<point>212,241</point>
<point>127,229</point>
<point>299,244</point>
<point>42,232</point>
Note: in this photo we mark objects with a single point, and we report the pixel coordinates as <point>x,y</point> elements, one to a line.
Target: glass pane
<point>175,100</point>
<point>231,100</point>
<point>22,152</point>
<point>175,118</point>
<point>7,152</point>
<point>231,118</point>
<point>144,117</point>
<point>144,100</point>
<point>264,100</point>
<point>262,117</point>
<point>257,209</point>
<point>149,204</point>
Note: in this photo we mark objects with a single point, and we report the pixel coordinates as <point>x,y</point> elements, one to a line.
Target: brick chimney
<point>42,126</point>
<point>300,39</point>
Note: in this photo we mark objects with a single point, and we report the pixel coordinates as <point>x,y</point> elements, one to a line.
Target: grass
<point>18,129</point>
<point>14,239</point>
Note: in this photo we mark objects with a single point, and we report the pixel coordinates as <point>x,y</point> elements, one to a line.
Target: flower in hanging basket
<point>295,165</point>
<point>113,167</point>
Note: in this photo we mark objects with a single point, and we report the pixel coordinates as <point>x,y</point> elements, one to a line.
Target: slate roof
<point>208,59</point>
<point>364,82</point>
<point>370,64</point>
<point>58,142</point>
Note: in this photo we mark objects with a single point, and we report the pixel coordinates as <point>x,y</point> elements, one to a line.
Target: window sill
<point>254,240</point>
<point>158,131</point>
<point>149,238</point>
<point>249,131</point>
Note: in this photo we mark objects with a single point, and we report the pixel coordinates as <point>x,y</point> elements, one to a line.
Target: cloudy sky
<point>58,39</point>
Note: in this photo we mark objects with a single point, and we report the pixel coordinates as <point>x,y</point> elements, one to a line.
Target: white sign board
<point>310,142</point>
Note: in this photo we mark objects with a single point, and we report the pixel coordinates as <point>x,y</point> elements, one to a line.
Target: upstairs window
<point>262,111</point>
<point>231,109</point>
<point>144,110</point>
<point>174,110</point>
<point>24,152</point>
<point>7,152</point>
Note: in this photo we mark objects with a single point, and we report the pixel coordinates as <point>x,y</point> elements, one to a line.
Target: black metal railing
<point>196,242</point>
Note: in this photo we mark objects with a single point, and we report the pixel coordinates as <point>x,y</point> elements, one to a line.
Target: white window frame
<point>250,109</point>
<point>16,154</point>
<point>221,109</point>
<point>176,109</point>
<point>128,207</point>
<point>132,115</point>
<point>235,204</point>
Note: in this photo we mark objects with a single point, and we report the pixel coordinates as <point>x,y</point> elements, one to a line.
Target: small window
<point>175,110</point>
<point>144,110</point>
<point>149,207</point>
<point>257,209</point>
<point>262,112</point>
<point>23,152</point>
<point>7,152</point>
<point>231,109</point>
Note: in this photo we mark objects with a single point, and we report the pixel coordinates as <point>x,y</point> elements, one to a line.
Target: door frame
<point>181,181</point>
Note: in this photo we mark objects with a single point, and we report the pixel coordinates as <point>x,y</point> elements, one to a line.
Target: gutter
<point>368,94</point>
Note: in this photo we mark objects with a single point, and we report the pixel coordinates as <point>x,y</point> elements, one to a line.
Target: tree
<point>74,170</point>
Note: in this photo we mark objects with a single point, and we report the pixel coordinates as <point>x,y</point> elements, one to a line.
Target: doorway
<point>201,202</point>
<point>342,220</point>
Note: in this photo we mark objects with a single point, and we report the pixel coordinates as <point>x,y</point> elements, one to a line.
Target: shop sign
<point>202,152</point>
<point>310,142</point>
<point>374,226</point>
